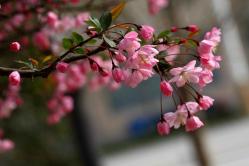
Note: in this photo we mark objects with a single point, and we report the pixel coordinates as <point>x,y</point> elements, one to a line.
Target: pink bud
<point>163,128</point>
<point>94,66</point>
<point>14,78</point>
<point>147,32</point>
<point>6,145</point>
<point>67,104</point>
<point>174,29</point>
<point>120,57</point>
<point>206,102</point>
<point>15,47</point>
<point>118,75</point>
<point>61,67</point>
<point>192,28</point>
<point>103,73</point>
<point>193,123</point>
<point>166,88</point>
<point>52,19</point>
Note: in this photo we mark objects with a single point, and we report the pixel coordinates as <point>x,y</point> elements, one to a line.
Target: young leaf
<point>117,10</point>
<point>77,38</point>
<point>92,41</point>
<point>109,42</point>
<point>163,34</point>
<point>94,22</point>
<point>79,50</point>
<point>105,20</point>
<point>67,43</point>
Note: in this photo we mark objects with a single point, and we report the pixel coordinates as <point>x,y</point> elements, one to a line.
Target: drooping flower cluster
<point>106,55</point>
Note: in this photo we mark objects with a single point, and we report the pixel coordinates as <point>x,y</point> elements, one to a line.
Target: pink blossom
<point>211,62</point>
<point>67,104</point>
<point>6,145</point>
<point>41,40</point>
<point>205,102</point>
<point>147,32</point>
<point>214,35</point>
<point>81,18</point>
<point>15,47</point>
<point>61,67</point>
<point>130,43</point>
<point>120,57</point>
<point>177,118</point>
<point>193,123</point>
<point>133,78</point>
<point>156,5</point>
<point>206,77</point>
<point>166,88</point>
<point>187,73</point>
<point>52,19</point>
<point>163,128</point>
<point>118,75</point>
<point>14,78</point>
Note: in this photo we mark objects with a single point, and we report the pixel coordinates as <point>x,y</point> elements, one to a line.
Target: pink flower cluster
<point>185,76</point>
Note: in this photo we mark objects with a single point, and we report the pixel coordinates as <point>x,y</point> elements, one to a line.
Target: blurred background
<point>118,128</point>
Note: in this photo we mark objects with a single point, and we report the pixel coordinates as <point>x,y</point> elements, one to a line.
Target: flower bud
<point>163,128</point>
<point>193,123</point>
<point>174,29</point>
<point>166,88</point>
<point>118,75</point>
<point>192,28</point>
<point>14,78</point>
<point>15,47</point>
<point>61,67</point>
<point>147,32</point>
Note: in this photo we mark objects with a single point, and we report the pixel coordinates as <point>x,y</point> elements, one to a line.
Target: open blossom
<point>179,117</point>
<point>205,77</point>
<point>193,123</point>
<point>163,128</point>
<point>156,5</point>
<point>207,47</point>
<point>14,78</point>
<point>205,102</point>
<point>166,88</point>
<point>147,32</point>
<point>130,43</point>
<point>187,73</point>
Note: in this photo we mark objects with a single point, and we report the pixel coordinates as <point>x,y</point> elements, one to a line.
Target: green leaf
<point>163,34</point>
<point>79,50</point>
<point>77,38</point>
<point>94,22</point>
<point>92,41</point>
<point>105,20</point>
<point>191,43</point>
<point>27,64</point>
<point>109,42</point>
<point>67,43</point>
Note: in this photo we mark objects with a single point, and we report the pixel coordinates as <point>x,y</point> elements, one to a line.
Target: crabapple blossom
<point>193,123</point>
<point>205,102</point>
<point>187,73</point>
<point>156,5</point>
<point>192,28</point>
<point>166,88</point>
<point>62,67</point>
<point>118,75</point>
<point>15,46</point>
<point>163,128</point>
<point>14,78</point>
<point>6,145</point>
<point>146,32</point>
